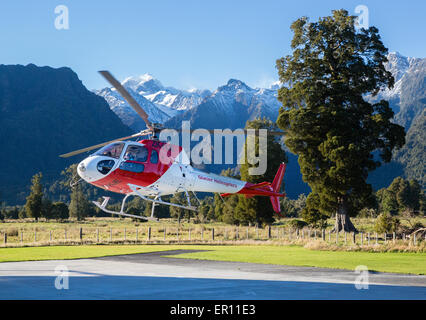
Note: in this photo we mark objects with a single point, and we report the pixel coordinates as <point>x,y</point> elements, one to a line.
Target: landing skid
<point>155,202</point>
<point>103,205</point>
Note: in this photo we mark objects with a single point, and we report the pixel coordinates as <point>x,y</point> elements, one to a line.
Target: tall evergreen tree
<point>59,211</point>
<point>46,208</point>
<point>79,206</point>
<point>402,196</point>
<point>259,209</point>
<point>34,204</point>
<point>328,123</point>
<point>387,201</point>
<point>179,213</point>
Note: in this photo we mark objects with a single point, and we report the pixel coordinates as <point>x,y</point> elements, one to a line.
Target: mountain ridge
<point>45,112</point>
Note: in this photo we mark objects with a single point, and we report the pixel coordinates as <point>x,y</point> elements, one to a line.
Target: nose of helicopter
<point>94,168</point>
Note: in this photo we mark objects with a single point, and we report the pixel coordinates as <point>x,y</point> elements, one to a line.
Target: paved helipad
<point>153,276</point>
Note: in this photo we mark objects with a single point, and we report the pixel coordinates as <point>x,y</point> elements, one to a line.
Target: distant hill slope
<point>45,112</point>
<point>408,100</point>
<point>412,156</point>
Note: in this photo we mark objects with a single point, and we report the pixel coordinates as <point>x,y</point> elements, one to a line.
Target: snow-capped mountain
<point>409,74</point>
<point>164,104</point>
<point>161,103</point>
<point>408,101</point>
<point>398,65</point>
<point>230,106</point>
<point>126,113</point>
<point>152,89</point>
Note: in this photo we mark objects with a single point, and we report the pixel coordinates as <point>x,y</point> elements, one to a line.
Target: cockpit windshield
<point>136,153</point>
<point>111,150</point>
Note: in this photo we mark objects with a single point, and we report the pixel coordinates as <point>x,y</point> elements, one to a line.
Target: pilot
<point>131,154</point>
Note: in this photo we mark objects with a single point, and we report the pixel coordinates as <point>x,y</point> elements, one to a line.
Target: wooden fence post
<point>414,239</point>
<point>50,235</point>
<point>345,238</point>
<point>35,235</point>
<point>354,238</point>
<point>164,233</point>
<point>81,234</point>
<point>394,236</point>
<point>149,233</point>
<point>189,230</point>
<point>5,237</point>
<point>97,234</point>
<point>22,236</point>
<point>376,239</point>
<point>368,235</point>
<point>323,234</point>
<point>110,234</point>
<point>212,234</point>
<point>124,234</point>
<point>177,234</point>
<point>202,233</point>
<point>65,234</point>
<point>247,233</point>
<point>337,236</point>
<point>257,231</point>
<point>385,237</point>
<point>269,231</point>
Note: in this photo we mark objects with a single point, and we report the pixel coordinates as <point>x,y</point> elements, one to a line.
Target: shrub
<point>385,223</point>
<point>13,232</point>
<point>59,211</point>
<point>297,224</point>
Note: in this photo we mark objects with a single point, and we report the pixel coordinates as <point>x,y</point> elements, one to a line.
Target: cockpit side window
<point>136,153</point>
<point>111,150</point>
<point>154,156</point>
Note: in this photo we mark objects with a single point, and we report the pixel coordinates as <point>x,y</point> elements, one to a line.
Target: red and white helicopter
<point>151,168</point>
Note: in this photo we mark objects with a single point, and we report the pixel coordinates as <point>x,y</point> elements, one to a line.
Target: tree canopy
<point>328,123</point>
<point>34,204</point>
<point>237,209</point>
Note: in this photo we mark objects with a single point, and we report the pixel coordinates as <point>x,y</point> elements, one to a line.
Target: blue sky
<point>183,43</point>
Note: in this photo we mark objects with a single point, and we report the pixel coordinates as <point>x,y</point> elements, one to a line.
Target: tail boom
<point>265,189</point>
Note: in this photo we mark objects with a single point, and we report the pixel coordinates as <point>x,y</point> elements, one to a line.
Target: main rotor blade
<point>73,153</point>
<point>244,131</point>
<point>126,95</point>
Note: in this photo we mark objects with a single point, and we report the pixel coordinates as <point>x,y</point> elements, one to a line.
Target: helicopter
<point>150,168</point>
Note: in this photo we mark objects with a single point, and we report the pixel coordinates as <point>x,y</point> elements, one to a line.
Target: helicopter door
<point>187,177</point>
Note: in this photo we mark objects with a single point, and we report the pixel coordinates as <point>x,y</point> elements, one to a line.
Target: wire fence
<point>200,234</point>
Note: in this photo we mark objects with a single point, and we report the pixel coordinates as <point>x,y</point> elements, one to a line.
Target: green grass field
<point>299,256</point>
<point>414,263</point>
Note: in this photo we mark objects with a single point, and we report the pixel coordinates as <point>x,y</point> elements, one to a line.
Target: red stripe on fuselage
<point>118,180</point>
